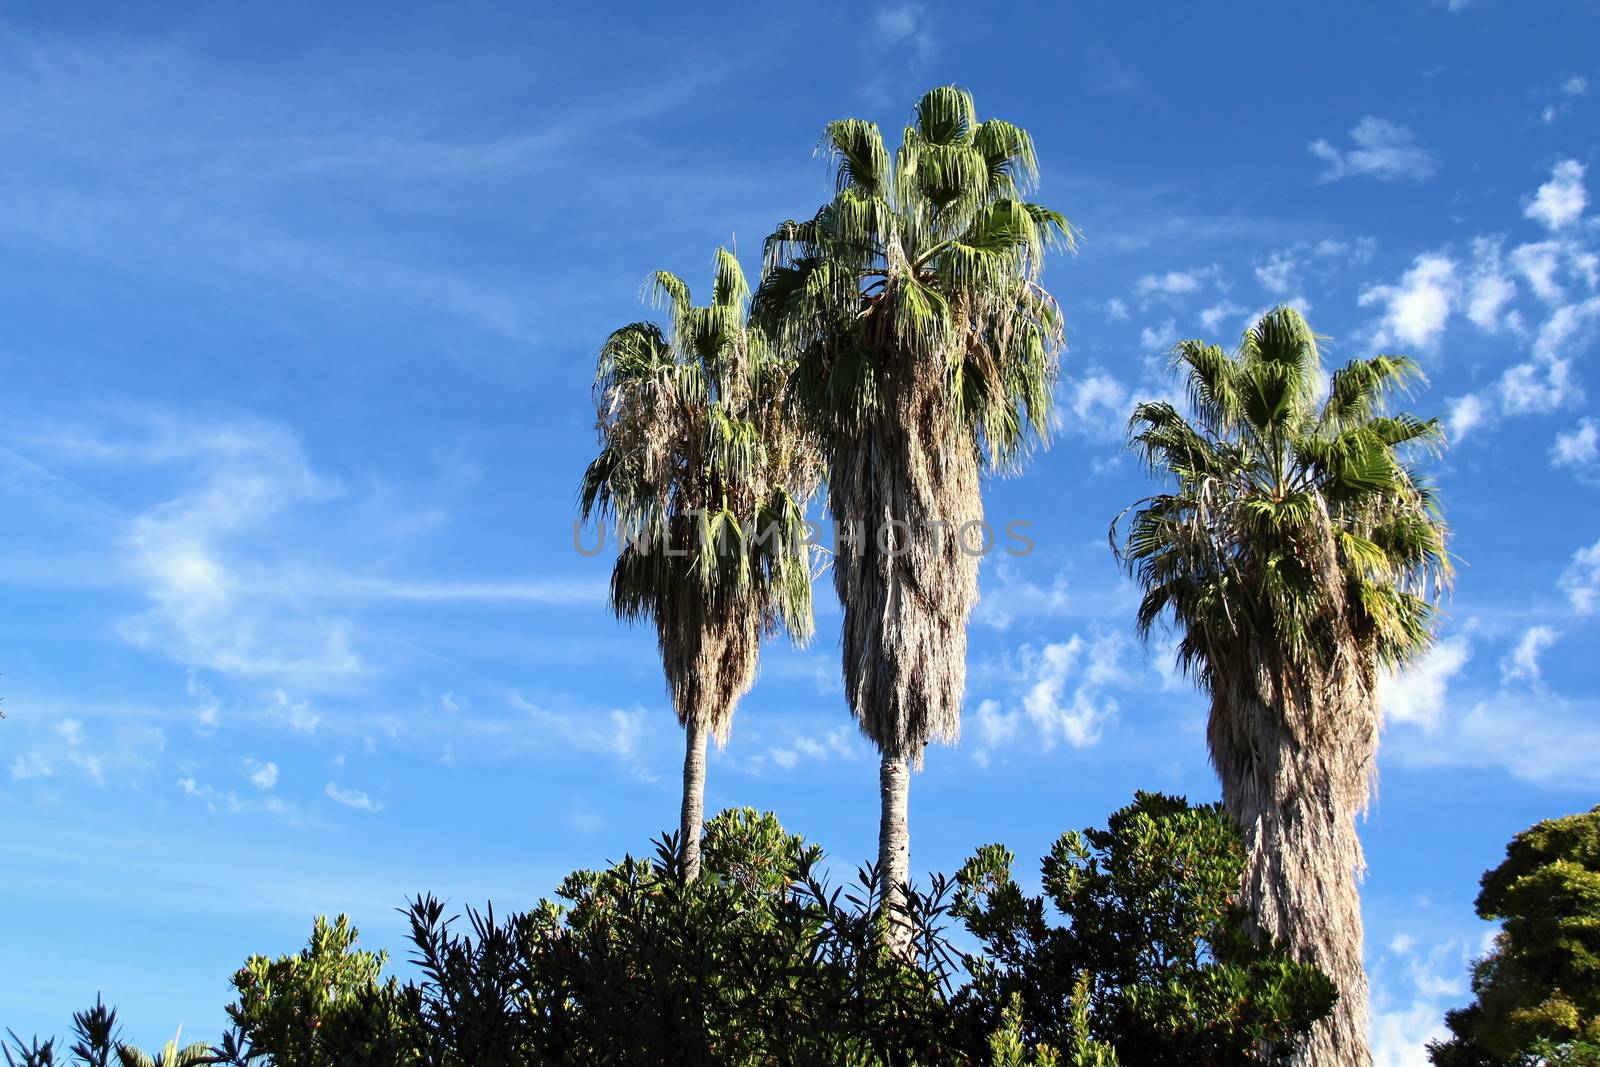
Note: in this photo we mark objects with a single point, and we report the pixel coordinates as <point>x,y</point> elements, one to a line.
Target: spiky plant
<point>196,1054</point>
<point>925,352</point>
<point>706,481</point>
<point>1299,555</point>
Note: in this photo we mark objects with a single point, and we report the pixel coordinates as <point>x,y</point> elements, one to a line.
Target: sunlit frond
<point>1261,476</point>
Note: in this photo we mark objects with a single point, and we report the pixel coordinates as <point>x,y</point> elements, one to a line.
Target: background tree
<point>707,482</point>
<point>925,350</point>
<point>1538,989</point>
<point>1149,953</point>
<point>324,1006</point>
<point>1299,555</point>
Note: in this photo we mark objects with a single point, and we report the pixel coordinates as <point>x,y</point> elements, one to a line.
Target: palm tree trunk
<point>1296,756</point>
<point>693,815</point>
<point>894,846</point>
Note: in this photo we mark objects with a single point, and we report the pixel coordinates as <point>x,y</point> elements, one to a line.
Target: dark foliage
<point>1146,913</point>
<point>760,961</point>
<point>1538,989</point>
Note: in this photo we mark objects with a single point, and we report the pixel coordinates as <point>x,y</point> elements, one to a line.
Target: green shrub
<point>324,1006</point>
<point>1147,920</point>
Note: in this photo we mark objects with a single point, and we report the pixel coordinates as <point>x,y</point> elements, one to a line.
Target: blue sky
<point>298,314</point>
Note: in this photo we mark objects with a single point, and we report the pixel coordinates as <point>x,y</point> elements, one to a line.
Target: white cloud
<point>351,798</point>
<point>262,775</point>
<point>1275,274</point>
<point>1009,594</point>
<point>1400,1035</point>
<point>1099,404</point>
<point>30,765</point>
<point>1159,338</point>
<point>1382,149</point>
<point>1462,415</point>
<point>1060,695</point>
<point>1538,387</point>
<point>904,25</point>
<point>1417,694</point>
<point>1216,314</point>
<point>229,801</point>
<point>1357,252</point>
<point>1578,448</point>
<point>1523,662</point>
<point>1576,85</point>
<point>1077,718</point>
<point>213,606</point>
<point>995,726</point>
<point>616,733</point>
<point>209,710</point>
<point>1538,737</point>
<point>1581,580</point>
<point>1172,283</point>
<point>1417,308</point>
<point>1538,262</point>
<point>1489,289</point>
<point>1116,309</point>
<point>295,714</point>
<point>1006,595</point>
<point>1565,331</point>
<point>1560,201</point>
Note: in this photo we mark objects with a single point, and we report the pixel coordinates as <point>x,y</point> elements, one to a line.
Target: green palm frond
<point>1261,475</point>
<point>931,255</point>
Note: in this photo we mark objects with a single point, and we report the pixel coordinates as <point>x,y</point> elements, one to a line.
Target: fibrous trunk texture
<point>693,815</point>
<point>904,488</point>
<point>1295,746</point>
<point>894,845</point>
<point>906,496</point>
<point>906,493</point>
<point>710,652</point>
<point>709,649</point>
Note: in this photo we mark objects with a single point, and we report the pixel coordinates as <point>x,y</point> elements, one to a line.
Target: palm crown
<point>934,259</point>
<point>707,483</point>
<point>1293,518</point>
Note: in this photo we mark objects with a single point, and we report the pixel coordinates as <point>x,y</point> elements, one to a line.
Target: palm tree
<point>1300,556</point>
<point>925,351</point>
<point>707,482</point>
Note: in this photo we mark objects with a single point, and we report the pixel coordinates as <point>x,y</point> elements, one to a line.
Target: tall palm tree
<point>925,352</point>
<point>1300,556</point>
<point>706,481</point>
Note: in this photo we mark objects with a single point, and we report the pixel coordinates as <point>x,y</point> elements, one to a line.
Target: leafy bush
<point>1151,927</point>
<point>756,961</point>
<point>323,1007</point>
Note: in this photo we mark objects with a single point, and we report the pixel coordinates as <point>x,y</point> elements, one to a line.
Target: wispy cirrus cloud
<point>351,798</point>
<point>1378,149</point>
